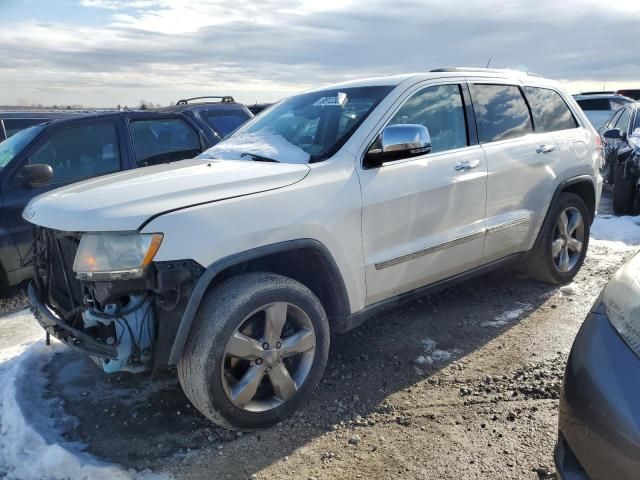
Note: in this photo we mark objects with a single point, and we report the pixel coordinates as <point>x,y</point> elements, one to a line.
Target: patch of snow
<point>428,344</point>
<point>620,234</point>
<point>569,290</point>
<point>507,317</point>
<point>612,238</point>
<point>421,360</point>
<point>31,426</point>
<point>431,353</point>
<point>265,143</point>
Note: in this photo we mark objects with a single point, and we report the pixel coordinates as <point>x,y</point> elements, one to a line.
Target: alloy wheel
<point>268,357</point>
<point>568,239</point>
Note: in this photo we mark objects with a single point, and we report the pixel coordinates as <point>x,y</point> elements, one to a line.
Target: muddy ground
<point>461,384</point>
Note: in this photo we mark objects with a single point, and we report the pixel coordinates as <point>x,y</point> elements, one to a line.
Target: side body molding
<point>336,280</point>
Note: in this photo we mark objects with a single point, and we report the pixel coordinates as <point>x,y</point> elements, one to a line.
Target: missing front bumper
<point>64,332</point>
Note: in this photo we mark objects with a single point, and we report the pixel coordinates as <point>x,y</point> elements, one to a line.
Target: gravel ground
<point>13,299</point>
<point>462,384</point>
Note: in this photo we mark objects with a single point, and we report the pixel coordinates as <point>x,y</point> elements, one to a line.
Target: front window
<point>80,152</point>
<point>306,128</point>
<point>11,147</point>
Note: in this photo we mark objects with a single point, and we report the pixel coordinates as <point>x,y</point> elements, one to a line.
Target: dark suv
<point>220,118</point>
<point>59,152</point>
<point>621,134</point>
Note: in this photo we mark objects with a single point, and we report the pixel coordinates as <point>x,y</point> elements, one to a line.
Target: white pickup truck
<point>332,204</point>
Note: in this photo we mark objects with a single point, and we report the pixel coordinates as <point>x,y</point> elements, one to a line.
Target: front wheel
<point>563,242</point>
<point>256,352</point>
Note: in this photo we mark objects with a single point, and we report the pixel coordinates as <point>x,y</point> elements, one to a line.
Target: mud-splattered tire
<point>256,352</point>
<point>562,242</point>
<point>624,189</point>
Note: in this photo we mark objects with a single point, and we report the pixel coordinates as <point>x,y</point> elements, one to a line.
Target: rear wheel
<point>563,242</point>
<point>256,352</point>
<point>624,188</point>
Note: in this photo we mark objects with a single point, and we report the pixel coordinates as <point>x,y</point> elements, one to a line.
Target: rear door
<point>162,140</point>
<point>75,153</point>
<point>423,217</point>
<point>520,164</point>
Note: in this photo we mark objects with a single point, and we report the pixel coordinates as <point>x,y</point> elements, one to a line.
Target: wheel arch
<point>584,187</point>
<point>305,260</point>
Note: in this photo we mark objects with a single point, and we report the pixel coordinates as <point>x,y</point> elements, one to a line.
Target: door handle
<point>467,165</point>
<point>545,149</point>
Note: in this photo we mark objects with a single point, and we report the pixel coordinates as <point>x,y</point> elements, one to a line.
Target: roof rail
<point>603,92</point>
<point>480,69</point>
<point>223,99</point>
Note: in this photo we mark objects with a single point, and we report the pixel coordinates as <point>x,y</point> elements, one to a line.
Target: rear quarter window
<point>549,110</point>
<point>501,112</point>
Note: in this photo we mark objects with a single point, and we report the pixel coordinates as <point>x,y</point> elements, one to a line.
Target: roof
<point>183,107</point>
<point>27,114</point>
<point>445,72</point>
<point>606,96</point>
<point>106,115</point>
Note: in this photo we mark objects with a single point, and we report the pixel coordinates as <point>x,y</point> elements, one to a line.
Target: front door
<point>423,218</point>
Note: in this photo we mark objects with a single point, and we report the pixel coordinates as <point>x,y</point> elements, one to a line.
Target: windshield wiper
<point>258,158</point>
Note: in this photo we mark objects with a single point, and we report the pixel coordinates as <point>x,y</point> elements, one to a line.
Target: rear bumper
<point>72,337</point>
<point>599,418</point>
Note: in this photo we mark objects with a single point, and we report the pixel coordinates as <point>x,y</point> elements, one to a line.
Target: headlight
<point>621,298</point>
<point>115,256</point>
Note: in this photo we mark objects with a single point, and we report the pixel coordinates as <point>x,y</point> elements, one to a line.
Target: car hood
<point>125,200</point>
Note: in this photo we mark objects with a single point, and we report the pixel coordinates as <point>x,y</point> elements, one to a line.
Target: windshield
<point>306,128</point>
<point>13,146</point>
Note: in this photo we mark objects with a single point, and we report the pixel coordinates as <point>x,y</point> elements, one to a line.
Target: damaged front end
<point>124,322</point>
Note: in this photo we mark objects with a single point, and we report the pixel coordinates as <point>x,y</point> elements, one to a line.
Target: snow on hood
<point>265,143</point>
<point>31,426</point>
<point>125,200</point>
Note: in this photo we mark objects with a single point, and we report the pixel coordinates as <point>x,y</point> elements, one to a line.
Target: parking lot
<point>460,384</point>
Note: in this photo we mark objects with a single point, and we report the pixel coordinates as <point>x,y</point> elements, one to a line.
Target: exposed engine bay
<point>124,326</point>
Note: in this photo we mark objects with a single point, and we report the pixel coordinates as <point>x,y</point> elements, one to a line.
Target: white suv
<point>236,265</point>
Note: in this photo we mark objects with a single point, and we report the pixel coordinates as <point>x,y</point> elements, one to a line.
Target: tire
<point>624,187</point>
<point>210,373</point>
<point>544,263</point>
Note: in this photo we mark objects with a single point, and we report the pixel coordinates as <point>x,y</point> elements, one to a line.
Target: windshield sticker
<point>336,101</point>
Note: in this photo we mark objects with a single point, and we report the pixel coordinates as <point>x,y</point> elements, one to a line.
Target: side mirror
<point>396,142</point>
<point>613,134</point>
<point>35,175</point>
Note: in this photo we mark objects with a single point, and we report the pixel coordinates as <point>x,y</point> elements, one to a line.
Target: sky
<point>106,52</point>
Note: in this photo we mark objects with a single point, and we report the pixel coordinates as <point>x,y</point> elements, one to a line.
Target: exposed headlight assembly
<point>621,298</point>
<point>115,256</point>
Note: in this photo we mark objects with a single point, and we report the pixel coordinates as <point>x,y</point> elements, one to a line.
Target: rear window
<point>225,122</point>
<point>594,104</point>
<point>501,112</point>
<point>549,110</point>
<point>14,125</point>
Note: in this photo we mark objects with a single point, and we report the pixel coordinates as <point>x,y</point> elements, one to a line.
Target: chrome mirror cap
<point>399,141</point>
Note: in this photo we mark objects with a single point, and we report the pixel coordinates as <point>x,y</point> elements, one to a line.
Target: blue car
<point>599,420</point>
<point>62,151</point>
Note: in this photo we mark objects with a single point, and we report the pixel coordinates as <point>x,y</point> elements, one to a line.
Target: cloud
<point>162,49</point>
